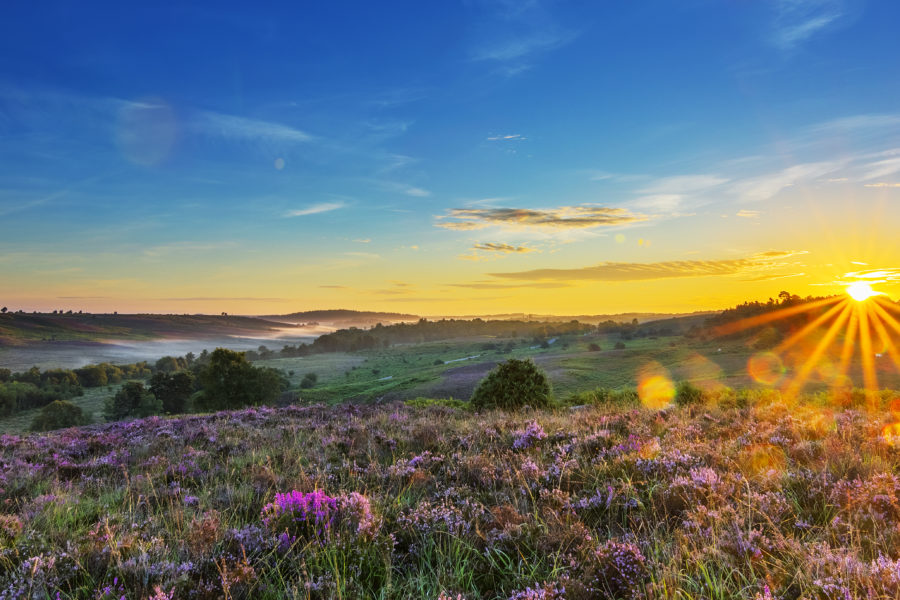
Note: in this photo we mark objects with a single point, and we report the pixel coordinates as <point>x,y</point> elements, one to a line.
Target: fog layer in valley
<point>70,355</point>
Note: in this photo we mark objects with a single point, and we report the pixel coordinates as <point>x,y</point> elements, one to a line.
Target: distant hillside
<point>593,319</point>
<point>342,317</point>
<point>18,329</point>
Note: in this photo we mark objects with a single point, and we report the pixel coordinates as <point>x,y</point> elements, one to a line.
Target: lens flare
<point>860,291</point>
<point>766,368</point>
<point>656,391</point>
<point>891,434</point>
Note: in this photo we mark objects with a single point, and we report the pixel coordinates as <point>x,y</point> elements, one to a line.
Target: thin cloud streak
<point>315,209</point>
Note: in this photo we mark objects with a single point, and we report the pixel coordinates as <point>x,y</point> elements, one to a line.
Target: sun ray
<point>803,374</point>
<point>884,335</point>
<point>848,347</point>
<point>774,316</point>
<point>811,326</point>
<point>870,376</point>
<point>886,316</point>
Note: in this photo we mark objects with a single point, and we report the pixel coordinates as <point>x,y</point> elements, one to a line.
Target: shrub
<point>131,401</point>
<point>513,384</point>
<point>620,345</point>
<point>687,394</point>
<point>594,347</point>
<point>59,414</point>
<point>309,380</point>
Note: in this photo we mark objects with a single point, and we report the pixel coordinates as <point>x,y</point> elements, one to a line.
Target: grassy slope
<point>16,329</point>
<point>91,404</point>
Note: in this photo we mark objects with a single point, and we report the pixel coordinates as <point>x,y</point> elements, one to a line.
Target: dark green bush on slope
<point>687,394</point>
<point>513,384</point>
<point>58,415</point>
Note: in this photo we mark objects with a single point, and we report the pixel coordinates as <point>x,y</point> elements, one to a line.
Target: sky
<point>446,158</point>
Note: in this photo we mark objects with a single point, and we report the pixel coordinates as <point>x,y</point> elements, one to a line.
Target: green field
<point>452,369</point>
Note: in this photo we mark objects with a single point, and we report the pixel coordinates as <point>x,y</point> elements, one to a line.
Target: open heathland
<point>746,496</point>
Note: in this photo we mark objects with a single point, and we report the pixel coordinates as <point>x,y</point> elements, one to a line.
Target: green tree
<point>170,364</point>
<point>230,382</point>
<point>131,401</point>
<point>92,376</point>
<point>173,391</point>
<point>58,415</point>
<point>513,384</point>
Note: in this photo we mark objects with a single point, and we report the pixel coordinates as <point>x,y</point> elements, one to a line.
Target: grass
<point>91,404</point>
<point>435,502</point>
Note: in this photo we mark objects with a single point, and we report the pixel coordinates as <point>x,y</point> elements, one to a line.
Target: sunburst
<point>862,316</point>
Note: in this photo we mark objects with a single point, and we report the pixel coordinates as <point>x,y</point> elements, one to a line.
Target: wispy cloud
<point>882,184</point>
<point>314,209</point>
<point>564,217</point>
<point>682,184</point>
<point>748,214</point>
<point>231,127</point>
<point>625,271</point>
<point>796,21</point>
<point>511,36</point>
<point>503,248</point>
<point>404,188</point>
<point>363,255</point>
<point>500,138</point>
<point>768,185</point>
<point>518,48</point>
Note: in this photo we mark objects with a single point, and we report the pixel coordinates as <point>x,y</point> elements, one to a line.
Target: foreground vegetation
<point>754,497</point>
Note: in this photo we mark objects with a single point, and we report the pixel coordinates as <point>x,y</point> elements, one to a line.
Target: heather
<point>754,499</point>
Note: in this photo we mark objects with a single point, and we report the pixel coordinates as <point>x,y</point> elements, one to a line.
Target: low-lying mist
<point>71,355</point>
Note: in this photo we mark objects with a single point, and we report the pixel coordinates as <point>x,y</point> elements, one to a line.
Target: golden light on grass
<point>763,461</point>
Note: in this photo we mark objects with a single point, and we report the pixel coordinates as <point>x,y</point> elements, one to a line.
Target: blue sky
<point>193,157</point>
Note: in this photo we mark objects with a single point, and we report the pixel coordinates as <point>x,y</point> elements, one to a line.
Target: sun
<point>861,291</point>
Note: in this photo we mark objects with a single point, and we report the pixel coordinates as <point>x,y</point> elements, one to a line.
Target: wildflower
<point>524,439</point>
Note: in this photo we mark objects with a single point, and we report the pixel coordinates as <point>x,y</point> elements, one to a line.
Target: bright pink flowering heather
<point>312,508</point>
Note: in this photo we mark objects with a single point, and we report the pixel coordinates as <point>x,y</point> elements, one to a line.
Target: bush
<point>605,396</point>
<point>309,380</point>
<point>594,347</point>
<point>513,384</point>
<point>620,345</point>
<point>131,401</point>
<point>687,394</point>
<point>59,414</point>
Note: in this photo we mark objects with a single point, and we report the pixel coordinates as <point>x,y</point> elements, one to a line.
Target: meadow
<point>749,495</point>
